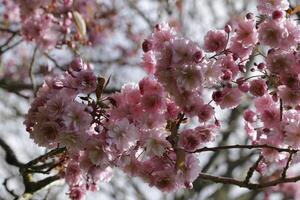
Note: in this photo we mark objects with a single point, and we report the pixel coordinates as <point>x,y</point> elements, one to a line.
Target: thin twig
<point>12,46</point>
<point>134,7</point>
<point>46,156</point>
<point>239,146</point>
<point>288,162</point>
<point>31,72</point>
<point>252,169</point>
<point>11,192</point>
<point>226,180</point>
<point>54,62</point>
<point>10,156</point>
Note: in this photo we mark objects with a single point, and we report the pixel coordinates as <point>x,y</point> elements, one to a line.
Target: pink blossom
<point>164,60</point>
<point>290,80</point>
<point>72,140</point>
<point>11,11</point>
<point>56,106</point>
<point>153,102</point>
<point>252,134</point>
<point>211,73</point>
<point>27,7</point>
<point>45,134</point>
<point>205,113</point>
<point>85,81</point>
<point>130,94</point>
<point>77,192</point>
<point>263,103</point>
<point>280,62</point>
<point>150,120</point>
<point>76,118</point>
<point>190,170</point>
<point>258,87</point>
<point>150,86</point>
<point>172,111</point>
<point>122,134</point>
<point>272,33</point>
<point>98,174</point>
<point>238,48</point>
<point>228,64</point>
<point>293,38</point>
<point>250,116</point>
<point>215,40</point>
<point>154,143</point>
<point>292,128</point>
<point>162,34</point>
<point>267,7</point>
<point>271,118</point>
<point>231,98</point>
<point>189,140</point>
<point>206,133</point>
<point>41,28</point>
<point>149,62</point>
<point>165,180</point>
<point>97,156</point>
<point>289,96</point>
<point>73,172</point>
<point>246,33</point>
<point>183,50</point>
<point>189,77</point>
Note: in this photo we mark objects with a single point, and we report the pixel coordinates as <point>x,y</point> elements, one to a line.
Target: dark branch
<point>238,146</point>
<point>10,156</point>
<point>252,169</point>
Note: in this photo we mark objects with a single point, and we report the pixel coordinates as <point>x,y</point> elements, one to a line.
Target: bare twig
<point>46,156</point>
<point>10,156</point>
<point>31,72</point>
<point>133,5</point>
<point>11,192</point>
<point>288,162</point>
<point>238,146</point>
<point>255,186</point>
<point>252,169</point>
<point>55,62</point>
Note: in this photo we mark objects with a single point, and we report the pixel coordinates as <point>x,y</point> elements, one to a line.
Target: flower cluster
<point>52,23</point>
<point>275,120</point>
<point>139,128</point>
<point>131,134</point>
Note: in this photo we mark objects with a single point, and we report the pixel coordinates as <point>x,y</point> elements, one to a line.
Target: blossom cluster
<point>125,130</point>
<point>275,120</point>
<point>53,23</point>
<point>139,129</point>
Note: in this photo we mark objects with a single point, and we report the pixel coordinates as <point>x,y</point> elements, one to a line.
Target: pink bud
<point>228,28</point>
<point>227,75</point>
<point>147,45</point>
<point>217,96</point>
<point>235,56</point>
<point>76,64</point>
<point>250,116</point>
<point>258,87</point>
<point>244,87</point>
<point>277,14</point>
<point>261,66</point>
<point>250,16</point>
<point>198,56</point>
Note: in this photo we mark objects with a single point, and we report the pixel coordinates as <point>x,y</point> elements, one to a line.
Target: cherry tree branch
<point>254,186</point>
<point>252,169</point>
<point>239,146</point>
<point>10,156</point>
